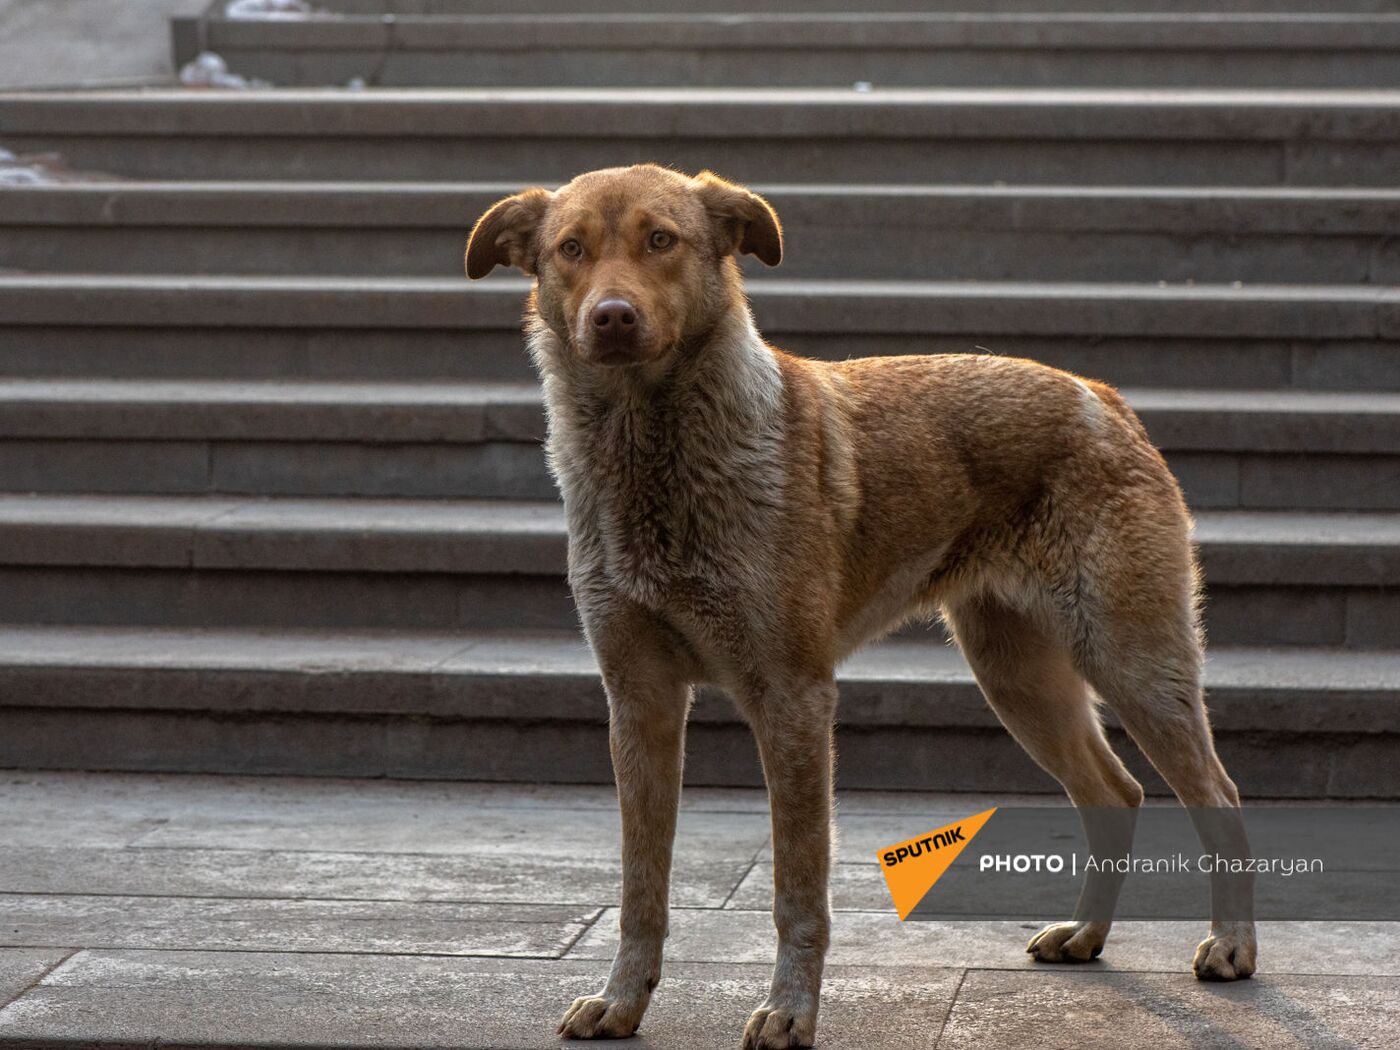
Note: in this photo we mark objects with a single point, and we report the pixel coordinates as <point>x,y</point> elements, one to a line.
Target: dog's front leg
<point>647,705</point>
<point>794,732</point>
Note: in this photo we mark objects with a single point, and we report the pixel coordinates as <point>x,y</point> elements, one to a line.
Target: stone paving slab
<point>299,814</point>
<point>878,938</point>
<point>161,795</point>
<point>47,809</point>
<point>369,927</point>
<point>695,881</point>
<point>20,968</point>
<point>861,836</point>
<point>854,886</point>
<point>1118,1011</point>
<point>63,796</point>
<point>117,999</point>
<point>861,888</point>
<point>736,836</point>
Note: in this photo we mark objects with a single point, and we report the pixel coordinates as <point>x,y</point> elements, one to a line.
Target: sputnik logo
<point>913,866</point>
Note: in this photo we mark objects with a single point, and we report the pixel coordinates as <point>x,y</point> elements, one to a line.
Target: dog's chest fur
<point>671,484</point>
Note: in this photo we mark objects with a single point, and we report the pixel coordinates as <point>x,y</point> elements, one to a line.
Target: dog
<point>742,517</point>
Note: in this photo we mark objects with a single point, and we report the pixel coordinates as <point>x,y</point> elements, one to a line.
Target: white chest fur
<point>671,479</point>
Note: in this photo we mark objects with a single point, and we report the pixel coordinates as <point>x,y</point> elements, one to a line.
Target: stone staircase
<point>271,494</point>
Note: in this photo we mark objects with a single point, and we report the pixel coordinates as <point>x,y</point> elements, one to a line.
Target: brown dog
<point>742,517</point>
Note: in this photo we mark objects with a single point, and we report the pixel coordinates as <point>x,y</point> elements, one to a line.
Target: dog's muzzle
<point>614,332</point>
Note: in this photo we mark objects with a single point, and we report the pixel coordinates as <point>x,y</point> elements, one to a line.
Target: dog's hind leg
<point>1026,673</point>
<point>1148,671</point>
<point>793,727</point>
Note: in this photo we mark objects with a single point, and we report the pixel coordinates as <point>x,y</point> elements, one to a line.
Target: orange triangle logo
<point>912,867</point>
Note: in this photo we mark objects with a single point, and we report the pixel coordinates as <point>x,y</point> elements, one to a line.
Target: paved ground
<point>223,912</point>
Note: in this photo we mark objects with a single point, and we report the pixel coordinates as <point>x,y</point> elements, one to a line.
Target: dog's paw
<point>778,1027</point>
<point>1227,954</point>
<point>1069,942</point>
<point>600,1017</point>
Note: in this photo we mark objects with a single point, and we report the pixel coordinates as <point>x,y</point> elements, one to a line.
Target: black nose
<point>614,317</point>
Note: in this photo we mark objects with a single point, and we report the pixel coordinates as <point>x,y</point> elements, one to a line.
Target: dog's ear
<point>505,235</point>
<point>745,221</point>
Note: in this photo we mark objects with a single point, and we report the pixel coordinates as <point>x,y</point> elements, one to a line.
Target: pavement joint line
<point>304,951</point>
<point>1084,971</point>
<point>147,827</point>
<point>405,853</point>
<point>411,853</point>
<point>724,904</point>
<point>588,907</point>
<point>433,853</point>
<point>40,978</point>
<point>583,931</point>
<point>753,863</point>
<point>582,922</point>
<point>948,1013</point>
<point>1096,966</point>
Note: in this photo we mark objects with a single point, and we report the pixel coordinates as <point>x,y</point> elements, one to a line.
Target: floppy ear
<point>505,235</point>
<point>745,220</point>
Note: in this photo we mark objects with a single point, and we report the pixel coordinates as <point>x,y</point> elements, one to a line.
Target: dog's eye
<point>571,249</point>
<point>660,240</point>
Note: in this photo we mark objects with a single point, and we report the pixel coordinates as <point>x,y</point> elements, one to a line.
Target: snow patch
<point>14,173</point>
<point>283,10</point>
<point>41,169</point>
<point>208,70</point>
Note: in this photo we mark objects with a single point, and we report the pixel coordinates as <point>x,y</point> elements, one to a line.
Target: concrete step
<point>671,7</point>
<point>528,706</point>
<point>1252,336</point>
<point>1088,136</point>
<point>1214,234</point>
<point>1289,578</point>
<point>1284,449</point>
<point>807,48</point>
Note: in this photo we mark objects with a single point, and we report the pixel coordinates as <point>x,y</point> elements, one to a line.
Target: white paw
<point>778,1027</point>
<point>600,1017</point>
<point>1227,954</point>
<point>1069,942</point>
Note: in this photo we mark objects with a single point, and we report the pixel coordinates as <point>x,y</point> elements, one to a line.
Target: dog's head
<point>630,263</point>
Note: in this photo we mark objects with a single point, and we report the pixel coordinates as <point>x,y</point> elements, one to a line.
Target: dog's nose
<point>614,317</point>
